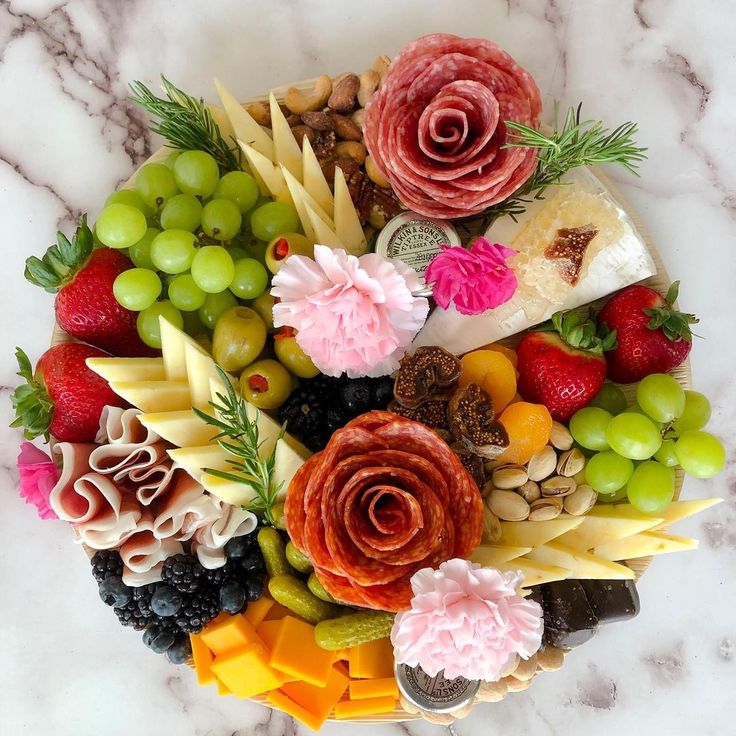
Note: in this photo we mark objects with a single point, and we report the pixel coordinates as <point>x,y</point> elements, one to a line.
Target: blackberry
<point>130,615</point>
<point>182,572</point>
<point>218,576</point>
<point>106,562</point>
<point>305,411</point>
<point>198,610</point>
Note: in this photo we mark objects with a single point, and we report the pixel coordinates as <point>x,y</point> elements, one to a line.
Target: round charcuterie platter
<point>368,399</point>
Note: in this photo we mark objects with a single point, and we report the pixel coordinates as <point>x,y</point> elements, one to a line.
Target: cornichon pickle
<point>293,594</point>
<point>318,589</point>
<point>353,629</point>
<point>298,560</point>
<point>277,514</point>
<point>274,552</point>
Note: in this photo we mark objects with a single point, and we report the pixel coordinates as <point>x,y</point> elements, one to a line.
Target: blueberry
<point>355,395</point>
<point>252,563</point>
<point>382,392</point>
<point>114,592</point>
<point>166,601</point>
<point>254,588</point>
<point>240,546</point>
<point>158,639</point>
<point>232,597</point>
<point>180,651</point>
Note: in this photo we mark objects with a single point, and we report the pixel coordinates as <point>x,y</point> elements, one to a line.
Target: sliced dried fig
<point>421,374</point>
<point>433,413</point>
<point>471,462</point>
<point>473,421</point>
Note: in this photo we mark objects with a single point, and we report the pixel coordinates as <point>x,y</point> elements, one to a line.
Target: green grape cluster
<point>197,241</point>
<point>637,448</point>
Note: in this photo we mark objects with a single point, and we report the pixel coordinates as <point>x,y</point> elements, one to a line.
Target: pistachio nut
<point>509,476</point>
<point>580,501</point>
<point>545,509</point>
<point>508,506</point>
<point>558,485</point>
<point>491,526</point>
<point>487,488</point>
<point>543,464</point>
<point>560,436</point>
<point>529,491</point>
<point>571,462</point>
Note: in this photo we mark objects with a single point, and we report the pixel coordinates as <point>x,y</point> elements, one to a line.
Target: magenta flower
<point>475,279</point>
<point>38,475</point>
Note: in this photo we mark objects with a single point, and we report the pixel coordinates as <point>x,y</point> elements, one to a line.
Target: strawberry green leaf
<point>31,403</point>
<point>675,325</point>
<point>672,293</point>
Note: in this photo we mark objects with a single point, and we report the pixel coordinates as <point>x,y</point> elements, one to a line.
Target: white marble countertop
<point>68,137</point>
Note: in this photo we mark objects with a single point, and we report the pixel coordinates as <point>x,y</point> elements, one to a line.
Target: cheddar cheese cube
<point>281,701</point>
<point>367,707</point>
<point>221,689</point>
<point>246,672</point>
<point>375,659</point>
<point>376,688</point>
<point>269,632</point>
<point>257,611</point>
<point>319,701</point>
<point>296,653</point>
<point>231,634</point>
<point>203,658</point>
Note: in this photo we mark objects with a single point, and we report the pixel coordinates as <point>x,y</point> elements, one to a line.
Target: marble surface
<point>68,137</point>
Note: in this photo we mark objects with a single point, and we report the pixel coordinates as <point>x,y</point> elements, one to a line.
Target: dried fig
<point>433,413</point>
<point>421,374</point>
<point>474,422</point>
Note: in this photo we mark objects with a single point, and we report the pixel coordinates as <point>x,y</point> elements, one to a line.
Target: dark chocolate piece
<point>612,600</point>
<point>569,620</point>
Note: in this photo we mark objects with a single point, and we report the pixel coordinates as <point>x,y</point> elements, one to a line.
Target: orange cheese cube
<point>375,659</point>
<point>269,632</point>
<point>319,701</point>
<point>288,706</point>
<point>296,653</point>
<point>277,612</point>
<point>231,634</point>
<point>342,654</point>
<point>367,707</point>
<point>257,611</point>
<point>202,657</point>
<point>377,688</point>
<point>221,689</point>
<point>245,672</point>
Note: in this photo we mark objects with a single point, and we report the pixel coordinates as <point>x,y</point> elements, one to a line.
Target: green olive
<point>289,352</point>
<point>266,384</point>
<point>239,337</point>
<point>283,246</point>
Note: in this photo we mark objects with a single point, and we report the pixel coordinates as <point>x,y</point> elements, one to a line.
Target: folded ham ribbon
<point>126,493</point>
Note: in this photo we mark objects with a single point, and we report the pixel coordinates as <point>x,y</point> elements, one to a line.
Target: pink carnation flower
<point>466,620</point>
<point>38,475</point>
<point>354,315</point>
<point>474,280</point>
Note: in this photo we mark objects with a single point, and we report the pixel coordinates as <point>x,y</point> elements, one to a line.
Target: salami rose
<point>384,499</point>
<point>436,130</point>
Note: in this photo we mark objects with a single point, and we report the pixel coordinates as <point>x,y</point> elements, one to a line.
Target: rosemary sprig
<point>238,434</point>
<point>185,122</point>
<point>576,143</point>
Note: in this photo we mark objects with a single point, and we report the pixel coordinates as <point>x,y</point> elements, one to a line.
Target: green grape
<point>661,397</point>
<point>252,246</point>
<point>606,472</point>
<point>170,160</point>
<point>196,172</point>
<point>212,269</point>
<point>696,414</point>
<point>181,212</point>
<point>214,305</point>
<point>588,427</point>
<point>148,324</point>
<point>666,454</point>
<point>651,487</point>
<point>700,454</point>
<point>221,219</point>
<point>636,409</point>
<point>185,294</point>
<point>137,288</point>
<point>634,436</point>
<point>611,398</point>
<point>155,183</point>
<point>120,225</point>
<point>619,495</point>
<point>239,187</point>
<point>250,279</point>
<point>132,198</point>
<point>172,251</point>
<point>272,219</point>
<point>236,253</point>
<point>140,252</point>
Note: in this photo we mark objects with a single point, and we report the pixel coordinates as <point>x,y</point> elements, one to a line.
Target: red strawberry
<point>652,336</point>
<point>561,365</point>
<point>63,397</point>
<point>82,280</point>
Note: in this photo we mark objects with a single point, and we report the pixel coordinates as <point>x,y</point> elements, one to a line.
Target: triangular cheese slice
<point>237,493</point>
<point>314,179</point>
<point>286,150</point>
<point>644,545</point>
<point>347,223</point>
<point>323,233</point>
<point>269,172</point>
<point>244,126</point>
<point>196,459</point>
<point>679,510</point>
<point>600,526</point>
<point>222,121</point>
<point>173,342</point>
<point>489,555</point>
<point>128,369</point>
<point>536,533</point>
<point>582,565</point>
<point>302,201</point>
<point>181,428</point>
<point>535,573</point>
<point>200,369</point>
<point>154,396</point>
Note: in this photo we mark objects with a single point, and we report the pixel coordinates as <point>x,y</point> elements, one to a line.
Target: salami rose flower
<point>38,475</point>
<point>466,620</point>
<point>474,280</point>
<point>436,127</point>
<point>354,315</point>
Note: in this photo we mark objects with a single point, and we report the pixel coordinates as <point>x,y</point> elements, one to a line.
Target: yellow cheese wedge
<point>286,150</point>
<point>244,126</point>
<point>200,369</point>
<point>173,341</point>
<point>128,369</point>
<point>223,122</point>
<point>535,573</point>
<point>582,565</point>
<point>269,172</point>
<point>181,428</point>
<point>490,556</point>
<point>195,459</point>
<point>679,510</point>
<point>154,396</point>
<point>600,527</point>
<point>644,545</point>
<point>535,533</point>
<point>314,180</point>
<point>323,233</point>
<point>302,200</point>
<point>347,223</point>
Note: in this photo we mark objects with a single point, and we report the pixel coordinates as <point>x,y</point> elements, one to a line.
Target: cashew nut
<point>300,102</point>
<point>369,81</point>
<point>260,112</point>
<point>351,149</point>
<point>375,175</point>
<point>358,116</point>
<point>381,65</point>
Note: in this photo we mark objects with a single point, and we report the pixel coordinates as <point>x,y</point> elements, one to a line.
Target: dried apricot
<point>529,427</point>
<point>493,372</point>
<point>499,347</point>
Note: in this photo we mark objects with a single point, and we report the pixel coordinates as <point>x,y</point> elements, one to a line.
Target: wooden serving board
<point>660,282</point>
